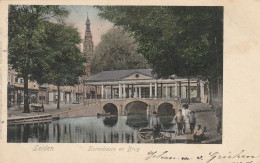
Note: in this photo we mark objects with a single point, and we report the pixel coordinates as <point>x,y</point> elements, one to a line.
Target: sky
<point>78,17</point>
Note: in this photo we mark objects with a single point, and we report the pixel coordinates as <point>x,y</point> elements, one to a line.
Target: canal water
<point>109,129</point>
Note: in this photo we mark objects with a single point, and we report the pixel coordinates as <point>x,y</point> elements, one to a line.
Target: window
<point>16,80</point>
<point>42,98</point>
<point>50,96</point>
<point>21,80</point>
<point>61,96</point>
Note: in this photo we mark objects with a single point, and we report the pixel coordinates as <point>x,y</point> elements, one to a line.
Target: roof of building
<point>117,75</point>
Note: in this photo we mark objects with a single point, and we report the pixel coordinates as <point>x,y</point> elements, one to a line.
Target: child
<point>198,134</point>
<point>192,121</point>
<point>179,119</point>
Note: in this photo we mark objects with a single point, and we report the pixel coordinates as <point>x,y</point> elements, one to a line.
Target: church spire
<point>88,24</point>
<point>88,47</point>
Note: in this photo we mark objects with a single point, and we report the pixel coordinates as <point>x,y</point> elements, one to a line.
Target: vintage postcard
<point>129,81</point>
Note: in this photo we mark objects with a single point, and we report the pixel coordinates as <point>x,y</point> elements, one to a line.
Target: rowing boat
<point>145,135</point>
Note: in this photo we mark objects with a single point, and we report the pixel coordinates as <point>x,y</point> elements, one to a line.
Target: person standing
<point>186,113</point>
<point>192,121</point>
<point>179,119</point>
<point>156,125</point>
<point>219,115</point>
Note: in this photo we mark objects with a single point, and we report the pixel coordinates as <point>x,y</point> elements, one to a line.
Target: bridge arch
<point>166,108</point>
<point>110,108</point>
<point>136,107</point>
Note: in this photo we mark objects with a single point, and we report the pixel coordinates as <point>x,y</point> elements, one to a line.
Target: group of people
<point>184,122</point>
<point>185,119</point>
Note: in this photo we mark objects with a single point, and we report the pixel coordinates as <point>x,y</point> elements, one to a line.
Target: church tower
<point>88,48</point>
<point>89,92</point>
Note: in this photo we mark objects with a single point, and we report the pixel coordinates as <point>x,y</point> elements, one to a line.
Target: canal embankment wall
<point>16,116</point>
<point>30,119</point>
<point>83,111</point>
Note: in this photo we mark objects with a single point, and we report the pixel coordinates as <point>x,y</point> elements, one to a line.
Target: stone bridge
<point>139,106</point>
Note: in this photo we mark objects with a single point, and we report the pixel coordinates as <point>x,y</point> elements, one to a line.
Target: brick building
<point>48,93</point>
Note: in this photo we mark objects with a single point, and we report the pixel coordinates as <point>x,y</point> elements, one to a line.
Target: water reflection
<point>166,121</point>
<point>110,121</point>
<point>137,121</point>
<point>28,133</point>
<point>110,129</point>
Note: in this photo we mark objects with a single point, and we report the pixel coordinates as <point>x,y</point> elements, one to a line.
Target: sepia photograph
<point>115,74</point>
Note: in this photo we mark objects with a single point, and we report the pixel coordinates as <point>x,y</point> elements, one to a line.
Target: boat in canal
<point>145,135</point>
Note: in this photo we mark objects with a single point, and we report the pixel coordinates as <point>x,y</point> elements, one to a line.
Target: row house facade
<point>47,93</point>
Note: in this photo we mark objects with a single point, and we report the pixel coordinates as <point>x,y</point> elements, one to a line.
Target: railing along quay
<point>30,120</point>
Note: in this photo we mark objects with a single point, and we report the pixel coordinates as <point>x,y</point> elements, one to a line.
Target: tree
<point>186,41</point>
<point>117,51</point>
<point>26,46</point>
<point>65,62</point>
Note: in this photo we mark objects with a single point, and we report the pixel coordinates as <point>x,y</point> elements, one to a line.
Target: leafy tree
<point>186,41</point>
<point>26,36</point>
<point>117,51</point>
<point>65,62</point>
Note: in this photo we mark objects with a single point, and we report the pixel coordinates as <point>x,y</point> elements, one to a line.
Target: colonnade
<point>151,90</point>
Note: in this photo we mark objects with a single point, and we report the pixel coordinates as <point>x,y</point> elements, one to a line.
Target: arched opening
<point>111,109</point>
<point>136,107</point>
<point>166,109</point>
<point>136,114</point>
<point>166,113</point>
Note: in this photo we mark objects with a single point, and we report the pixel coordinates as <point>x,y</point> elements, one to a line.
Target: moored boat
<point>145,135</point>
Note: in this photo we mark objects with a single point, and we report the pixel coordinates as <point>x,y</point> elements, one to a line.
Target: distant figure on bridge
<point>156,125</point>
